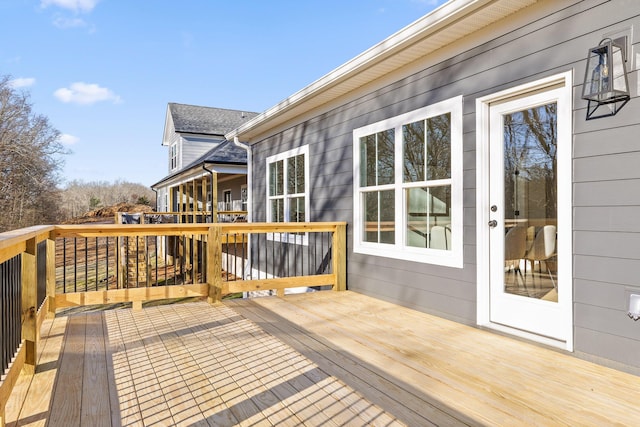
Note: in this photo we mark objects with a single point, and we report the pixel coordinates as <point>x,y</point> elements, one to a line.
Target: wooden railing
<point>27,278</point>
<point>48,267</point>
<point>198,217</point>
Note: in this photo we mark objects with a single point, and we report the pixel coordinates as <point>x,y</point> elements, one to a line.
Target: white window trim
<point>300,239</point>
<point>173,156</point>
<point>399,250</point>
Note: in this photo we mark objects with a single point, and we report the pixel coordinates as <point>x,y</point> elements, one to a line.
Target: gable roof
<point>206,120</point>
<point>225,153</point>
<point>448,23</point>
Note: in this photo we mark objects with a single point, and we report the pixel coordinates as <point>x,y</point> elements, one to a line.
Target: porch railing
<point>48,267</point>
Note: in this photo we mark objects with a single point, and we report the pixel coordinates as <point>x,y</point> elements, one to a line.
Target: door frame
<point>565,244</point>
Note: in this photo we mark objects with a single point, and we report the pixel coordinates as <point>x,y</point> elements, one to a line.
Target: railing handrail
<point>12,242</point>
<point>105,230</point>
<point>24,242</point>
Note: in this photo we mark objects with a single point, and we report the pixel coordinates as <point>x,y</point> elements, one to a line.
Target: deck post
<point>340,257</point>
<point>214,264</point>
<point>29,305</point>
<point>51,275</point>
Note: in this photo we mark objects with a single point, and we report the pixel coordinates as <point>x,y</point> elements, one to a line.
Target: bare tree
<point>30,161</point>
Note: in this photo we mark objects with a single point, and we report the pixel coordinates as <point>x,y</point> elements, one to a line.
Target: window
<point>288,186</point>
<point>173,156</point>
<point>408,186</point>
<point>226,197</point>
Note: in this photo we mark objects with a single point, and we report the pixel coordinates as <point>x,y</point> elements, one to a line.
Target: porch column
<point>180,202</point>
<point>203,195</point>
<point>214,197</point>
<point>194,201</point>
<point>51,275</point>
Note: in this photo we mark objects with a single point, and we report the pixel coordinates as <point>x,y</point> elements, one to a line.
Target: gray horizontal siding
<point>192,150</point>
<point>607,218</point>
<point>546,39</point>
<point>608,346</point>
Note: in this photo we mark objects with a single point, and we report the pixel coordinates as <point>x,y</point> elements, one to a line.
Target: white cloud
<point>66,139</point>
<point>64,23</point>
<point>86,94</point>
<point>22,82</point>
<point>84,6</point>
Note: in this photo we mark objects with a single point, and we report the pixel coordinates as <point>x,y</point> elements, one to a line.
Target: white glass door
<point>528,281</point>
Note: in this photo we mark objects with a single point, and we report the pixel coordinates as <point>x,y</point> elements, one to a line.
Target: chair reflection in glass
<point>542,249</point>
<point>515,248</point>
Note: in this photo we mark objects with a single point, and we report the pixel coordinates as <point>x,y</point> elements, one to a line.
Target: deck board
<point>96,408</point>
<point>67,394</point>
<point>325,358</point>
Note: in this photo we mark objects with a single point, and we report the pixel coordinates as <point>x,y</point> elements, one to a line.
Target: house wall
<point>191,150</point>
<point>546,39</point>
<point>234,184</point>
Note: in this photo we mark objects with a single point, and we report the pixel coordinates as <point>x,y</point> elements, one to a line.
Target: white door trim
<point>565,248</point>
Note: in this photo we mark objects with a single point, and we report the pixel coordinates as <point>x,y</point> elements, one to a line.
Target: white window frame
<point>173,156</point>
<point>399,249</point>
<point>301,239</point>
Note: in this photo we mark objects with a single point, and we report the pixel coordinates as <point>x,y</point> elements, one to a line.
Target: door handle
<point>493,223</point>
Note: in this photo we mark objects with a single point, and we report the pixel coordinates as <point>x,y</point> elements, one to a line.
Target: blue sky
<point>103,71</point>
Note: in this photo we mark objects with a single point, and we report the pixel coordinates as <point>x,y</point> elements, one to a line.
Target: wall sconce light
<point>634,306</point>
<point>605,78</point>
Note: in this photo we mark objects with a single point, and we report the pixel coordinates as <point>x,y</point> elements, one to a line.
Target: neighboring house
<point>206,173</point>
<point>474,188</point>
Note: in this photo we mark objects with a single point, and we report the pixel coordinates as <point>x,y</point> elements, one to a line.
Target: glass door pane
<point>530,202</point>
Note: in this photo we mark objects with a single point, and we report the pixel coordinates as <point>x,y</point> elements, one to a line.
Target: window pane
<point>300,173</point>
<point>368,161</point>
<point>297,211</point>
<point>386,163</point>
<point>414,163</point>
<point>428,221</point>
<point>387,217</point>
<point>379,224</point>
<point>439,147</point>
<point>277,210</point>
<point>276,178</point>
<point>370,217</point>
<point>377,159</point>
<point>295,174</point>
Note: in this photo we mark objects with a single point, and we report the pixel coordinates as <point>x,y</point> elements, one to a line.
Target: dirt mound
<point>108,213</point>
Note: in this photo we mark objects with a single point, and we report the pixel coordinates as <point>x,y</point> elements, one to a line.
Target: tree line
<point>79,197</point>
<point>31,160</point>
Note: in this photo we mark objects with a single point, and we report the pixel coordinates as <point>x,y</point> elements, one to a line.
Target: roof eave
<point>446,16</point>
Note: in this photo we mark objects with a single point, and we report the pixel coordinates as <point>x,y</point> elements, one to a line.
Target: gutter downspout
<point>247,148</point>
<point>246,273</point>
<point>212,178</point>
<point>155,191</point>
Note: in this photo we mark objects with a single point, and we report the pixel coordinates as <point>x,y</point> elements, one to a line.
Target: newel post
<point>214,264</point>
<point>340,257</point>
<point>29,304</point>
<point>51,275</point>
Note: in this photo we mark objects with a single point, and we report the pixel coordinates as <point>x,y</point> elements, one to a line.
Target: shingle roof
<point>226,153</point>
<point>206,120</point>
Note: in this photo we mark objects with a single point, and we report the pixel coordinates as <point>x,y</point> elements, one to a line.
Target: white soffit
<point>446,24</point>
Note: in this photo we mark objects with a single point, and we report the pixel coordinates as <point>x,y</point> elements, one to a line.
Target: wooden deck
<point>325,358</point>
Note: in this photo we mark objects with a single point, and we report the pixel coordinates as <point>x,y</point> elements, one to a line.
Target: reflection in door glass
<point>530,192</point>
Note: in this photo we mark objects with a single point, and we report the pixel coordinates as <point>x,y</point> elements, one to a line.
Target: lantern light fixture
<point>605,78</point>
